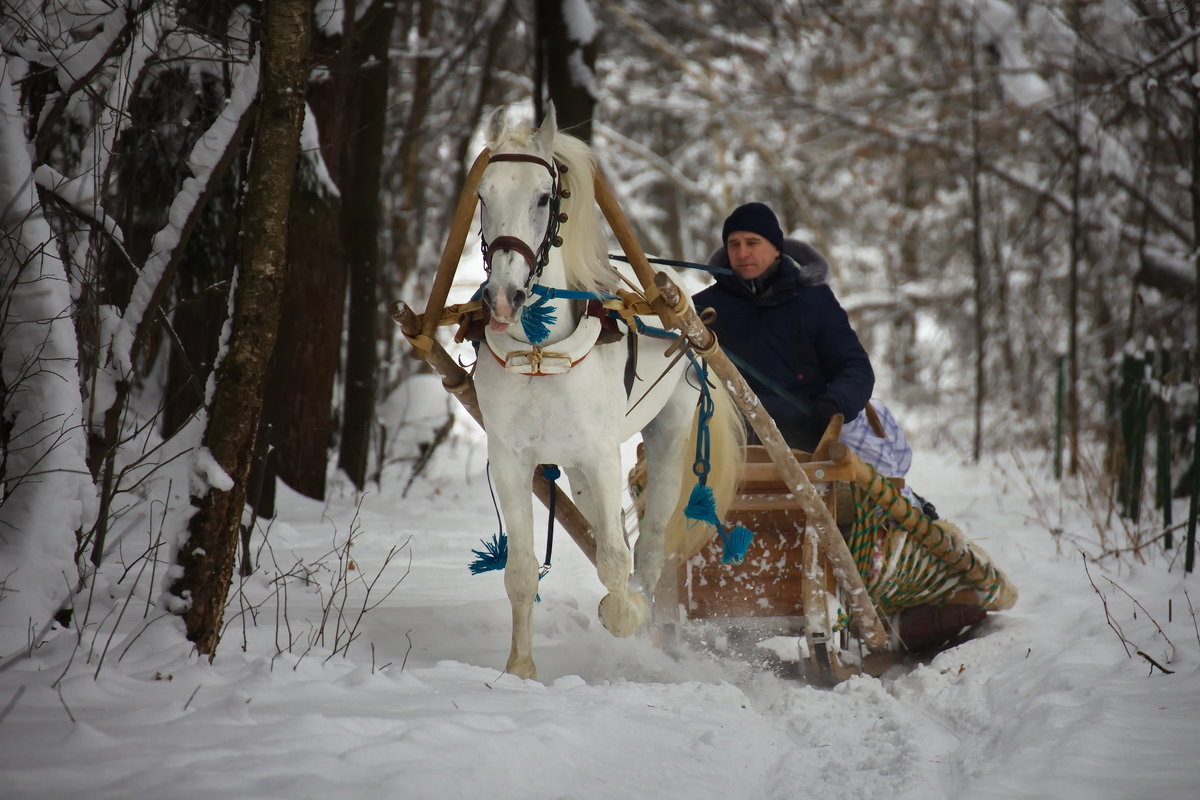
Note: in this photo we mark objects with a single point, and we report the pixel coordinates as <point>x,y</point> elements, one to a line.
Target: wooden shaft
<point>940,539</point>
<point>624,233</point>
<point>812,586</point>
<point>458,382</point>
<point>841,561</point>
<point>455,240</point>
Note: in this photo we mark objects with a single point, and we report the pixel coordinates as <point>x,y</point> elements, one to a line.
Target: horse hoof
<point>521,668</point>
<point>622,614</point>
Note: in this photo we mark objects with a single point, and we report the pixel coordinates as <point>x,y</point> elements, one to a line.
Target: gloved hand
<point>823,410</point>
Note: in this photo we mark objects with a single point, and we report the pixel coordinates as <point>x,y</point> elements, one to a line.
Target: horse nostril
<point>518,299</point>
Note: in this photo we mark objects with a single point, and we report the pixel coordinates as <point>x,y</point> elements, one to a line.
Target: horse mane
<point>585,248</point>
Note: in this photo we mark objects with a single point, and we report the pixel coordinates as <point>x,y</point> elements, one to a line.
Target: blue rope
<point>551,293</point>
<point>702,465</point>
<point>658,333</point>
<point>702,504</point>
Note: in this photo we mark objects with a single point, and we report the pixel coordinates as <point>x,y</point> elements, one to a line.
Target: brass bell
<point>562,217</point>
<point>565,194</point>
<point>557,242</point>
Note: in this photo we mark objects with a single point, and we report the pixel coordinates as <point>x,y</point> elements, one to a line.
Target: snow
<point>47,492</point>
<point>203,161</point>
<point>581,27</point>
<point>212,472</point>
<point>409,699</point>
<point>310,151</point>
<point>362,658</point>
<point>580,22</point>
<point>998,24</point>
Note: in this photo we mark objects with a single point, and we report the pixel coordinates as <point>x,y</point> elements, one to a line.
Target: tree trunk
<point>566,61</point>
<point>308,354</point>
<point>1073,267</point>
<point>207,557</point>
<point>407,225</point>
<point>361,219</point>
<point>1189,558</point>
<point>977,255</point>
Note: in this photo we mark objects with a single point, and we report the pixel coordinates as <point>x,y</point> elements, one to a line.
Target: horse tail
<point>727,438</point>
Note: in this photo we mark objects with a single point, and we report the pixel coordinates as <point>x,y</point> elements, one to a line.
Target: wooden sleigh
<point>925,580</point>
<point>799,558</point>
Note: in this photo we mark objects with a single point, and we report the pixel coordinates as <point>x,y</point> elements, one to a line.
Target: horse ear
<point>495,125</point>
<point>549,128</point>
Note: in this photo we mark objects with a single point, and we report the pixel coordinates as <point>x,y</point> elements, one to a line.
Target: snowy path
<point>1044,704</point>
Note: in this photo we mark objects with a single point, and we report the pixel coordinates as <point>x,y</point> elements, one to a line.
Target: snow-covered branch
<point>207,161</point>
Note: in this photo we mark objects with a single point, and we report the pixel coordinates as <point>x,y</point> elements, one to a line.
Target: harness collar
<point>524,358</point>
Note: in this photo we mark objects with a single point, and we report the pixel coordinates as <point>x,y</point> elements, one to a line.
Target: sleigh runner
<point>799,568</point>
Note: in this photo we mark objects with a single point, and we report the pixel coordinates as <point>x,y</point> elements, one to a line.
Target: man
<point>784,328</point>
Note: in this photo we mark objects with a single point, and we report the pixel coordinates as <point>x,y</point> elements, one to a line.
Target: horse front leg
<point>622,611</point>
<point>512,479</point>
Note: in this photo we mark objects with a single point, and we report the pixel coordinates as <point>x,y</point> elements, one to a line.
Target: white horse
<point>562,399</point>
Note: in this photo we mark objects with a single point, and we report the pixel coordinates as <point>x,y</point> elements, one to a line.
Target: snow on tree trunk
<point>567,42</point>
<point>46,490</point>
<point>205,560</point>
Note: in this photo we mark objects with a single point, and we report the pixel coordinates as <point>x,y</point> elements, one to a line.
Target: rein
<point>671,262</point>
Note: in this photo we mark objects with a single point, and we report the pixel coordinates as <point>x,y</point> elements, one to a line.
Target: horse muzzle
<point>504,303</point>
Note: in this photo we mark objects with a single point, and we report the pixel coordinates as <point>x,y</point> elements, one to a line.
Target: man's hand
<point>823,410</point>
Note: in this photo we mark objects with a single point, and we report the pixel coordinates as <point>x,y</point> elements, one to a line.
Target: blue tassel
<point>737,542</point>
<point>494,556</point>
<point>536,320</point>
<point>702,506</point>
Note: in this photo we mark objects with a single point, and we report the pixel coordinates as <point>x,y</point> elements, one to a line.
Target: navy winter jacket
<point>789,327</point>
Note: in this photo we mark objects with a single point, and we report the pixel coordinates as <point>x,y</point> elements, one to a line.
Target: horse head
<point>519,197</point>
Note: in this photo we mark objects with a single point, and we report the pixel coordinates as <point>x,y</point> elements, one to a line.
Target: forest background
<point>207,207</point>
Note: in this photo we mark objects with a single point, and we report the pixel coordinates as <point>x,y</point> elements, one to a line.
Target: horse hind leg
<point>582,494</point>
<point>622,611</point>
<point>666,438</point>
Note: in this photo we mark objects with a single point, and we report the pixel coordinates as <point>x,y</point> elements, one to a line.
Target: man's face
<point>749,254</point>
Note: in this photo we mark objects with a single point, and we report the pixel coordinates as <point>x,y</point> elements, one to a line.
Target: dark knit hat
<point>755,218</point>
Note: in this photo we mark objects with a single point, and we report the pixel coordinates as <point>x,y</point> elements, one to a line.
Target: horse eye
<point>543,201</point>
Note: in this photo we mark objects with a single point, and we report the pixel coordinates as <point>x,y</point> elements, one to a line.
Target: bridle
<point>538,259</point>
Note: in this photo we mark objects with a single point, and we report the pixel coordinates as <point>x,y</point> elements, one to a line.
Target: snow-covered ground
<point>1045,701</point>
